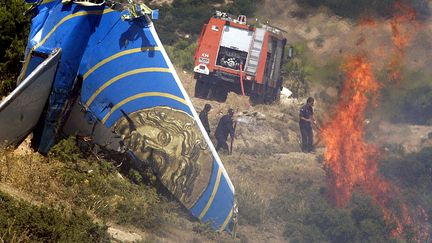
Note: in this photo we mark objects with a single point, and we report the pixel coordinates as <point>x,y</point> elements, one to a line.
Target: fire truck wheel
<point>277,93</point>
<point>201,89</point>
<point>218,93</point>
<point>255,98</point>
<point>272,95</point>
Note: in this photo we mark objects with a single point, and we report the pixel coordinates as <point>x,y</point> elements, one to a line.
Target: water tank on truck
<point>233,56</point>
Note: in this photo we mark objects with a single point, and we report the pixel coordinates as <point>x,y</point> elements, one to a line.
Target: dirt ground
<point>330,37</point>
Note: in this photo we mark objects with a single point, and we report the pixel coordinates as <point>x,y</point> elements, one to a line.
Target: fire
<point>348,156</point>
<point>368,22</point>
<point>351,162</point>
<point>402,33</point>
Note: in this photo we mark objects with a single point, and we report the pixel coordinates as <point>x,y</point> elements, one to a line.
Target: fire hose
<point>241,80</point>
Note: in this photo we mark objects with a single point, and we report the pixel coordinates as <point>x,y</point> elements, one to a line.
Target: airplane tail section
<point>131,94</point>
<point>21,109</point>
<point>131,87</point>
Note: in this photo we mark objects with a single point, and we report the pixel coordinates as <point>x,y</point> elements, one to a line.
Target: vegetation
<point>97,185</point>
<point>252,206</point>
<point>182,52</point>
<point>300,71</point>
<point>187,17</point>
<point>88,183</point>
<point>409,100</point>
<point>206,230</point>
<point>13,36</point>
<point>413,175</point>
<point>296,70</point>
<point>411,171</point>
<point>310,217</point>
<point>416,106</point>
<point>365,8</point>
<point>180,24</point>
<point>22,222</point>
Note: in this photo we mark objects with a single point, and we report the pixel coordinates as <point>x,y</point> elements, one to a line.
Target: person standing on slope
<point>306,121</point>
<point>224,127</point>
<point>204,117</point>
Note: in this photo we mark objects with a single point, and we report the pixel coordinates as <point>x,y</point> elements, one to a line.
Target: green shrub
<point>417,105</point>
<point>185,17</point>
<point>412,171</point>
<point>355,9</point>
<point>114,198</point>
<point>95,184</point>
<point>182,53</point>
<point>309,217</point>
<point>20,221</point>
<point>408,100</point>
<point>181,23</point>
<point>243,7</point>
<point>13,36</point>
<point>66,150</point>
<point>188,16</point>
<point>336,224</point>
<point>298,71</point>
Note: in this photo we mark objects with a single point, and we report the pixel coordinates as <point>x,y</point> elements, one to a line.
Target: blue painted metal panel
<point>67,27</point>
<point>126,74</point>
<point>211,206</point>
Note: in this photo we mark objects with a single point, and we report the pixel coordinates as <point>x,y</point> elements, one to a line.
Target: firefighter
<point>204,117</point>
<point>224,127</point>
<point>306,121</point>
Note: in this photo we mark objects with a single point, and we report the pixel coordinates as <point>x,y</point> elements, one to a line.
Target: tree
<point>13,36</point>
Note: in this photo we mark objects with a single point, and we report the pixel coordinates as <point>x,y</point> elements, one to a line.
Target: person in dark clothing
<point>204,117</point>
<point>224,127</point>
<point>306,121</point>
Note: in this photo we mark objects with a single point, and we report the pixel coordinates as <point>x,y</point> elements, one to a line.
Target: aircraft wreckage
<point>98,69</point>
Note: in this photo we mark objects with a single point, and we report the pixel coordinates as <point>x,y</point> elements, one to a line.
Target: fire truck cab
<point>234,56</point>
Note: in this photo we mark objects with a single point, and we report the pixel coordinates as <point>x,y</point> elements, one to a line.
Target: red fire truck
<point>235,56</point>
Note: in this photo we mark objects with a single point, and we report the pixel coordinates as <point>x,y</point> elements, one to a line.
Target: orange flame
<point>347,155</point>
<point>351,163</point>
<point>402,33</point>
<point>368,22</point>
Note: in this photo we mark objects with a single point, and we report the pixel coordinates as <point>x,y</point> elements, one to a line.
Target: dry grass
<point>32,173</point>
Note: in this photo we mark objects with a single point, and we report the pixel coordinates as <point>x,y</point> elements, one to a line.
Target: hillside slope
<point>282,192</point>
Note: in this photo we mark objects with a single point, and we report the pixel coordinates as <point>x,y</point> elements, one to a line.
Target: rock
<point>285,93</point>
<point>260,116</point>
<point>123,236</point>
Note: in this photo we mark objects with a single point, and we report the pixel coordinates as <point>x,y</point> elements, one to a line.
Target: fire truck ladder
<point>255,51</point>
